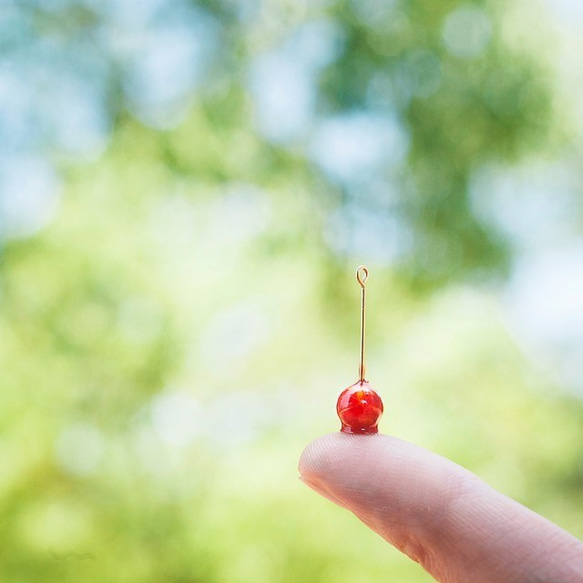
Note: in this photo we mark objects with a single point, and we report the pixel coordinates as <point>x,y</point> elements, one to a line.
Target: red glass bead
<point>359,409</point>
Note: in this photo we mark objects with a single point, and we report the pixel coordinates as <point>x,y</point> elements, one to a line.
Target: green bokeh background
<point>181,325</point>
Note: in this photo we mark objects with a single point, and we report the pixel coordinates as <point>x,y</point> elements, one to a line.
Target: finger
<point>441,515</point>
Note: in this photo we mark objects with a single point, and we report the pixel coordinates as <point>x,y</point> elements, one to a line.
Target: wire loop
<point>361,277</point>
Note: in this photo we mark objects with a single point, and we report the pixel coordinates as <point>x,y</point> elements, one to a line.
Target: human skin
<point>439,514</point>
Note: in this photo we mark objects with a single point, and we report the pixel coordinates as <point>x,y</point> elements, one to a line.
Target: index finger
<point>441,515</point>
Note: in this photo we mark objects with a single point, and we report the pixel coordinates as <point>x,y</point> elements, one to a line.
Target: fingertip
<point>320,456</point>
<point>323,463</point>
<point>379,474</point>
<point>437,512</point>
<point>388,483</point>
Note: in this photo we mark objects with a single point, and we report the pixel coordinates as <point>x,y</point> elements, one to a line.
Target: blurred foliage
<point>441,78</point>
<point>180,328</point>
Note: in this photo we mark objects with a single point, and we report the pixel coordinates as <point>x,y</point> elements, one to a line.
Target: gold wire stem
<point>361,277</point>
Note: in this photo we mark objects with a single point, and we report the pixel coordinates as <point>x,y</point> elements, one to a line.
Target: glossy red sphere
<point>359,409</point>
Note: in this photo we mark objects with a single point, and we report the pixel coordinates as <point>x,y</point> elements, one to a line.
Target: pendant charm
<point>359,407</point>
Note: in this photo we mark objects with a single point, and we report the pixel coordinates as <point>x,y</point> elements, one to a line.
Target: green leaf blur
<point>180,326</point>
